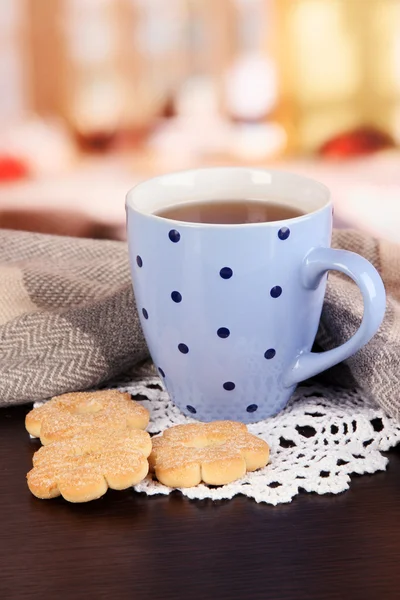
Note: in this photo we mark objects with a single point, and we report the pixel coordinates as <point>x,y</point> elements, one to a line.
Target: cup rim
<point>158,180</point>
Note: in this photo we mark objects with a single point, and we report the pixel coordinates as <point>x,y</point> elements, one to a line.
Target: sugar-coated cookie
<point>84,467</point>
<point>65,416</point>
<point>216,453</point>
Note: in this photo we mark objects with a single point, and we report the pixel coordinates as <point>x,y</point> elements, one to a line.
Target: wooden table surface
<point>128,545</point>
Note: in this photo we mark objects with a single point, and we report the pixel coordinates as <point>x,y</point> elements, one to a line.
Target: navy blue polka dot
<point>284,233</point>
<point>145,313</point>
<point>139,261</point>
<point>229,386</point>
<point>252,408</point>
<point>174,236</point>
<point>226,272</point>
<point>161,372</point>
<point>223,332</point>
<point>191,409</point>
<point>276,291</point>
<point>176,297</point>
<point>183,348</point>
<point>269,354</point>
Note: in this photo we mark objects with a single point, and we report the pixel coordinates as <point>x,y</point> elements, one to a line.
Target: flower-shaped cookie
<point>84,467</point>
<point>64,416</point>
<point>216,453</point>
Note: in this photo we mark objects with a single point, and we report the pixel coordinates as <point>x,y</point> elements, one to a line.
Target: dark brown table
<point>127,545</point>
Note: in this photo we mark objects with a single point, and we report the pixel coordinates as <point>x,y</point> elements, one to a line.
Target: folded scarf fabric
<point>67,315</point>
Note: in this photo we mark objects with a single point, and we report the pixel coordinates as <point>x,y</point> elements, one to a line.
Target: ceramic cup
<point>230,312</point>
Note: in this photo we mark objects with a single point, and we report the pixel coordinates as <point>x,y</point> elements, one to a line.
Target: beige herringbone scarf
<point>68,319</point>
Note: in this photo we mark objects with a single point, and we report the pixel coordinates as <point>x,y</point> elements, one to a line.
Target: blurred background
<point>96,95</point>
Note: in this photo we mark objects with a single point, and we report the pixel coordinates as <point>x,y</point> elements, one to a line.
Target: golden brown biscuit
<point>64,416</point>
<point>216,453</point>
<point>84,467</point>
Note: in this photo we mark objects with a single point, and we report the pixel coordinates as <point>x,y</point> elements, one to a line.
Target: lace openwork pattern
<point>322,437</point>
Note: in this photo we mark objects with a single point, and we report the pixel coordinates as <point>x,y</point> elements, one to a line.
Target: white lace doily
<point>317,442</point>
<point>322,437</point>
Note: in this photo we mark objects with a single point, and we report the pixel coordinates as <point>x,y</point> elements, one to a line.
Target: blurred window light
<point>12,96</point>
<point>385,47</point>
<point>162,25</point>
<point>251,87</point>
<point>325,56</point>
<point>91,39</point>
<point>10,15</point>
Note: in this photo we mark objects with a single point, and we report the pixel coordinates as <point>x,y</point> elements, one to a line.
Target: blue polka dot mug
<point>230,312</point>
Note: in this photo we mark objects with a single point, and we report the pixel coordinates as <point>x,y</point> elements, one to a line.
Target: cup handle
<point>317,263</point>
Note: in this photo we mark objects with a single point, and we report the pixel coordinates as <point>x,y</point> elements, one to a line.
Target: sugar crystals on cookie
<point>216,453</point>
<point>84,467</point>
<point>64,416</point>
